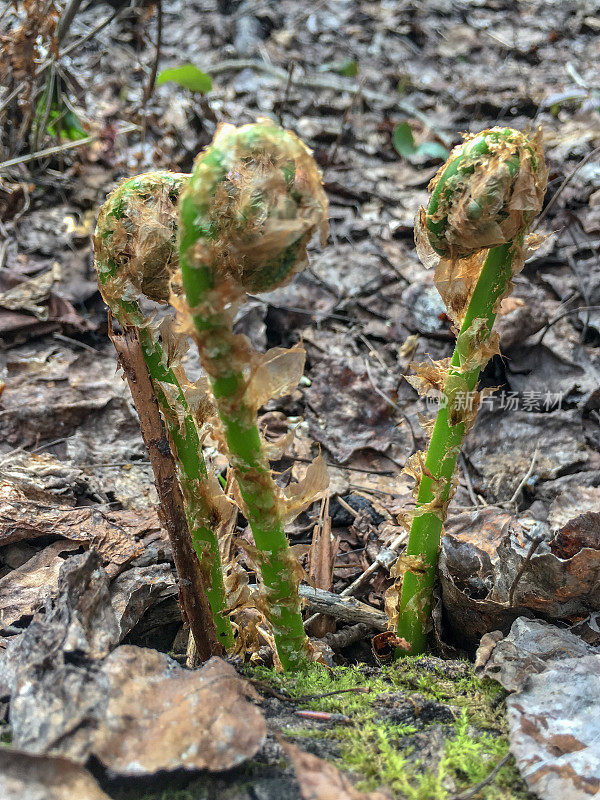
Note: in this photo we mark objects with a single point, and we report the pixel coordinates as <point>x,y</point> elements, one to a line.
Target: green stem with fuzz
<point>125,205</point>
<point>501,263</point>
<point>245,219</point>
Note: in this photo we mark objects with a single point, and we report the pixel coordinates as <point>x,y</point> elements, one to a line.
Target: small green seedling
<point>187,76</point>
<point>483,201</point>
<point>253,202</point>
<point>404,144</point>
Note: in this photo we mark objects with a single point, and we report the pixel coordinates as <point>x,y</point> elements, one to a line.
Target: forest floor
<point>74,474</point>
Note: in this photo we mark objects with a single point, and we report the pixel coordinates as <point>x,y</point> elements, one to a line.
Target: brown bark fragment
<point>192,593</point>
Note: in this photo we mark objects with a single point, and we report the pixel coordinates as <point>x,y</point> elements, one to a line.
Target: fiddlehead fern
<point>135,255</point>
<point>482,204</point>
<point>253,202</point>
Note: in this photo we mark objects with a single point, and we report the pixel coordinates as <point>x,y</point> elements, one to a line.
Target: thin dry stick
<point>50,151</point>
<point>192,592</point>
<point>474,790</point>
<point>348,609</point>
<point>67,18</point>
<point>526,477</point>
<point>385,557</point>
<point>566,314</point>
<point>152,78</point>
<point>337,84</point>
<point>562,187</point>
<point>347,112</point>
<point>534,546</point>
<point>389,400</point>
<point>468,481</point>
<point>288,86</point>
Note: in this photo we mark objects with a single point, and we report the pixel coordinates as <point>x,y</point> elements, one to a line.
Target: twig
<point>338,84</point>
<point>67,18</point>
<point>562,187</point>
<point>288,86</point>
<point>389,400</point>
<point>347,506</point>
<point>526,477</point>
<point>76,342</point>
<point>468,481</point>
<point>346,608</point>
<point>192,593</point>
<point>77,44</point>
<point>347,112</point>
<point>305,698</point>
<point>13,94</point>
<point>50,151</point>
<point>474,790</point>
<point>384,558</point>
<point>152,79</point>
<point>347,636</point>
<point>563,315</point>
<point>533,547</point>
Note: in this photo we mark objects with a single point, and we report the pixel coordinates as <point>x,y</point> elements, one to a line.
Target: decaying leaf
<point>554,714</point>
<point>71,694</point>
<point>29,295</point>
<point>162,717</point>
<point>26,589</point>
<point>501,445</point>
<point>483,552</point>
<point>320,780</point>
<point>341,392</point>
<point>114,534</point>
<point>555,730</point>
<point>274,374</point>
<point>136,589</point>
<point>50,672</point>
<point>298,496</point>
<point>24,776</point>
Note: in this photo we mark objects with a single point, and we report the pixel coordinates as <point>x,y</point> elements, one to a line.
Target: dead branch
<point>192,593</point>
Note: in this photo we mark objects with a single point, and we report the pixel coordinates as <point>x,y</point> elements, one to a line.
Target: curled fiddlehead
<point>136,255</point>
<point>253,202</point>
<point>482,203</point>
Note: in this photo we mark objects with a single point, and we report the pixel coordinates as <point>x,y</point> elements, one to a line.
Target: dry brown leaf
<point>274,374</point>
<point>320,780</point>
<point>29,295</point>
<point>25,590</point>
<point>298,496</point>
<point>162,717</point>
<point>113,534</point>
<point>24,776</point>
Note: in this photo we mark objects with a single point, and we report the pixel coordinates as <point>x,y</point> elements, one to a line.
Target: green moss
<point>384,753</point>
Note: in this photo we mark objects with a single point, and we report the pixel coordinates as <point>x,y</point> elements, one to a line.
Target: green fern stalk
<point>485,196</point>
<point>135,252</point>
<point>246,216</point>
